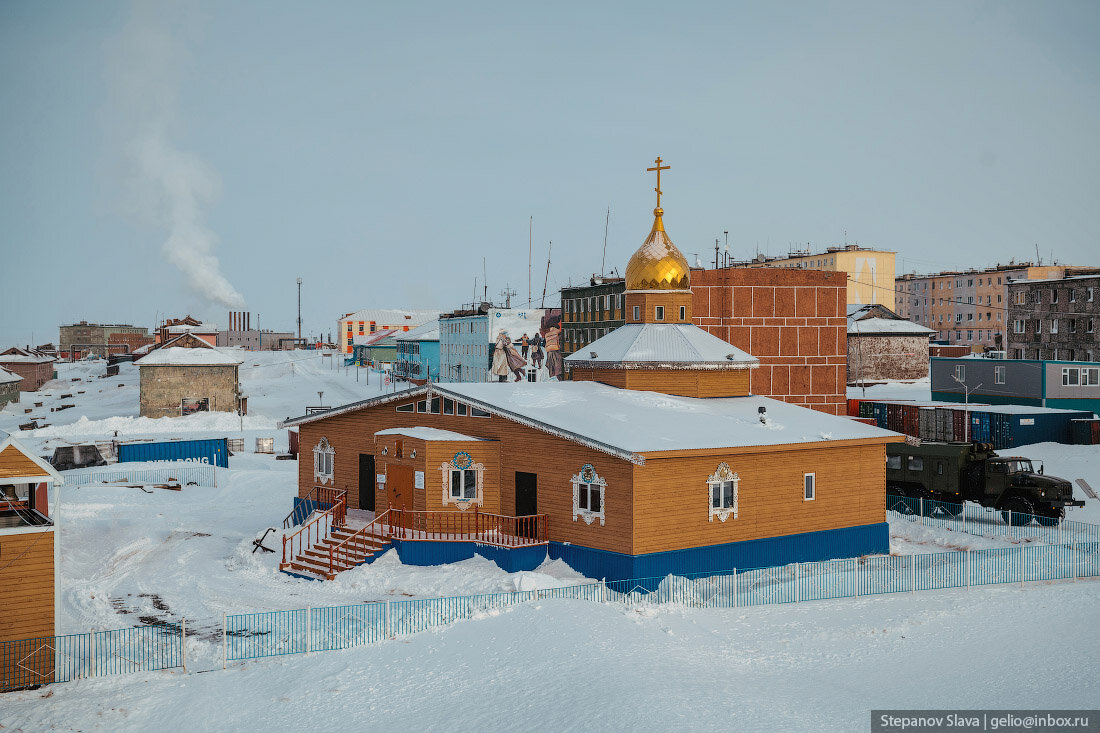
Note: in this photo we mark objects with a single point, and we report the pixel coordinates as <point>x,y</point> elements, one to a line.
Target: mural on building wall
<point>526,345</point>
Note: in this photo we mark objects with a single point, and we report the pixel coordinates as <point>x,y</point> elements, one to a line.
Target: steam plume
<point>171,185</point>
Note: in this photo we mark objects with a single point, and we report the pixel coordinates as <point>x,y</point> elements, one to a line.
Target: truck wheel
<point>1017,512</point>
<point>1052,519</point>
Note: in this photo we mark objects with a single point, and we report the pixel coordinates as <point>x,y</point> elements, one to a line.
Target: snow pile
<point>211,422</point>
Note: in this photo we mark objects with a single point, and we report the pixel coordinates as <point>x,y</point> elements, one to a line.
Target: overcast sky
<point>181,158</point>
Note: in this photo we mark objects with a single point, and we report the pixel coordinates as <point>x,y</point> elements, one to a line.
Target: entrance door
<point>527,494</point>
<point>366,482</point>
<point>527,502</point>
<point>399,487</point>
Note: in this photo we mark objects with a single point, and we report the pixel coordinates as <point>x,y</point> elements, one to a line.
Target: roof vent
<point>731,357</point>
<point>763,414</point>
<point>592,355</point>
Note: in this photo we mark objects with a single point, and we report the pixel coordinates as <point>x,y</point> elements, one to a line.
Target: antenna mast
<point>607,221</point>
<point>484,281</point>
<point>507,294</point>
<point>1038,257</point>
<point>547,280</point>
<point>530,231</point>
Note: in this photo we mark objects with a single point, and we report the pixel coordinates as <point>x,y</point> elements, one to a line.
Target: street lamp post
<point>299,311</point>
<point>966,405</point>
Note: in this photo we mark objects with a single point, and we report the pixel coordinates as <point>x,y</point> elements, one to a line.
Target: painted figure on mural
<point>537,343</point>
<point>525,344</point>
<point>506,359</point>
<point>551,336</point>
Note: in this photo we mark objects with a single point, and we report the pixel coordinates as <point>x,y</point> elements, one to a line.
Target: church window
<point>809,487</point>
<point>410,407</point>
<point>683,312</point>
<point>659,313</point>
<point>323,460</point>
<point>722,490</point>
<point>588,495</point>
<point>463,481</point>
<point>637,314</point>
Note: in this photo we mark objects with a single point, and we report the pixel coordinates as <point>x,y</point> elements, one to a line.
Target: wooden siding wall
<point>672,510</point>
<point>26,585</point>
<point>485,452</point>
<point>14,464</point>
<point>686,382</point>
<point>648,301</point>
<point>553,459</point>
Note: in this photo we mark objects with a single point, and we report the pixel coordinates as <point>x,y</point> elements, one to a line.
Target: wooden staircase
<point>341,550</point>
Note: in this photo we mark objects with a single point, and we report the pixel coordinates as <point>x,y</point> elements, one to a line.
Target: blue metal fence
<point>984,522</point>
<point>31,662</point>
<point>249,636</point>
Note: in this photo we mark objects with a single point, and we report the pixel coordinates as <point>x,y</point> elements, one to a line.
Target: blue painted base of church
<point>871,539</point>
<point>511,560</point>
<point>831,544</point>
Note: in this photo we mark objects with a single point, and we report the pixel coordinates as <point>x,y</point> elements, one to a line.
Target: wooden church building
<point>655,459</point>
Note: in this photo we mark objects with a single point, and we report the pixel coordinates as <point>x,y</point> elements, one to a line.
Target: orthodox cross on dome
<point>659,168</point>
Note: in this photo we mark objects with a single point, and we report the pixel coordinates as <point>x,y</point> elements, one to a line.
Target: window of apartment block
<point>1017,354</point>
<point>1089,298</point>
<point>1088,326</point>
<point>1054,325</point>
<point>1072,295</point>
<point>1038,325</point>
<point>1090,377</point>
<point>1071,377</point>
<point>1072,325</point>
<point>1053,295</point>
<point>960,371</point>
<point>970,335</point>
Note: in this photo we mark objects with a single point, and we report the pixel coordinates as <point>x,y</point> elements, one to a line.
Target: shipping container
<point>926,423</point>
<point>910,420</point>
<point>214,451</point>
<point>945,430</point>
<point>867,408</point>
<point>980,427</point>
<point>880,414</point>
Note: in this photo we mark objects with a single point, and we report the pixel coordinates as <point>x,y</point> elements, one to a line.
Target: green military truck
<point>948,474</point>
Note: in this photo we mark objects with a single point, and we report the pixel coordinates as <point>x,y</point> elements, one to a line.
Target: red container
<point>958,424</point>
<point>853,408</point>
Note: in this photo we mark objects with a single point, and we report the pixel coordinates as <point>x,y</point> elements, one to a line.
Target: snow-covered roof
<point>25,359</point>
<point>653,344</point>
<point>868,326</point>
<point>7,377</point>
<point>176,356</point>
<point>425,332</point>
<point>425,433</point>
<point>640,422</point>
<point>393,316</point>
<point>372,339</point>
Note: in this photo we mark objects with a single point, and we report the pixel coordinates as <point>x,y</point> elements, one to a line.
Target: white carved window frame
<point>722,475</point>
<point>462,462</point>
<point>324,462</point>
<point>588,477</point>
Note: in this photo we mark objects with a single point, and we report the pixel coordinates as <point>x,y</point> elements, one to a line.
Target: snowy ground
<point>130,556</point>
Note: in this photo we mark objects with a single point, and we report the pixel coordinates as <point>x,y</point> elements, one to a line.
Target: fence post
<point>1073,561</point>
<point>1021,566</point>
<point>922,511</point>
<point>968,568</point>
<point>225,641</point>
<point>796,565</point>
<point>309,629</point>
<point>735,587</point>
<point>92,635</point>
<point>857,562</point>
<point>183,642</point>
<point>913,574</point>
<point>386,621</point>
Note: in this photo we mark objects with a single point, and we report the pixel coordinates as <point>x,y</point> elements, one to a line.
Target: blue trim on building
<point>508,559</point>
<point>304,507</point>
<point>830,544</point>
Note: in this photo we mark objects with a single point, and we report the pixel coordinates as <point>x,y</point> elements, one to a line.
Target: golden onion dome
<point>658,265</point>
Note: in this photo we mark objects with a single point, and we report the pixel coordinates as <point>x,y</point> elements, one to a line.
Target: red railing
<point>314,530</point>
<point>489,529</point>
<point>340,555</point>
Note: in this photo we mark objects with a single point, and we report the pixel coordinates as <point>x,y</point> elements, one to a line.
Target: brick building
<point>35,368</point>
<point>793,320</point>
<point>1055,318</point>
<point>9,387</point>
<point>94,338</point>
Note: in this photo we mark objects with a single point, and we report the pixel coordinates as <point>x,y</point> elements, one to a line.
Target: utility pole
<point>547,280</point>
<point>530,244</point>
<point>966,406</point>
<point>299,311</point>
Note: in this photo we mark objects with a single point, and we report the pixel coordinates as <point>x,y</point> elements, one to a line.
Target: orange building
<point>654,460</point>
<point>28,567</point>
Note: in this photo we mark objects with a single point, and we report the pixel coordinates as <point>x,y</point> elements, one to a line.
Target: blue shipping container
<point>214,451</point>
